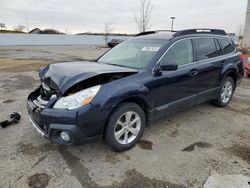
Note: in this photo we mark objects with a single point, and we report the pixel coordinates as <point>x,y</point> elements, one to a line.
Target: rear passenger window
<point>206,48</point>
<point>181,52</point>
<point>226,46</point>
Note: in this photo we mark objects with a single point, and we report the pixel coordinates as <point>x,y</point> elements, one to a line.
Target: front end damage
<point>69,127</point>
<point>51,122</point>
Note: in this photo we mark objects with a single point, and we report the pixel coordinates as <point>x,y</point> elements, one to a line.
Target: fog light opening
<point>65,136</point>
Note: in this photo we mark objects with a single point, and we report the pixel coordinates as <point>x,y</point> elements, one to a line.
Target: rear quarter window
<point>226,46</point>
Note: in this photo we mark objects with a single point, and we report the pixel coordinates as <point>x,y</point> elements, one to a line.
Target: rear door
<point>210,59</point>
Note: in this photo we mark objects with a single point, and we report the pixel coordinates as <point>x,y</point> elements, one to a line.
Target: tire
<point>226,92</point>
<point>118,135</point>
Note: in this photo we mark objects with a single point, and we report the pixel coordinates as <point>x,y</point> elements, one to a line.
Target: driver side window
<point>181,53</point>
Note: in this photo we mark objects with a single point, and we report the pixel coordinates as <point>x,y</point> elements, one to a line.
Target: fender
<point>124,93</point>
<point>229,68</point>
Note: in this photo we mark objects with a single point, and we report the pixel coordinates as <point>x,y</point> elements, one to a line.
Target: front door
<point>171,91</point>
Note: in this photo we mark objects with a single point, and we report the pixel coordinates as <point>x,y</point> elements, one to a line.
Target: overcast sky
<point>91,15</point>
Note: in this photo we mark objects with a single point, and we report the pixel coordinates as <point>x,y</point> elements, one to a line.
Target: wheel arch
<point>132,99</point>
<point>233,75</point>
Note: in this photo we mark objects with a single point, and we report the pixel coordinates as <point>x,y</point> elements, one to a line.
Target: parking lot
<point>180,151</point>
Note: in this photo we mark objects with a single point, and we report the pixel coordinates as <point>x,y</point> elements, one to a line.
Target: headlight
<point>78,99</point>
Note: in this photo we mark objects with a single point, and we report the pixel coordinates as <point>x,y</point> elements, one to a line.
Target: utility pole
<point>172,24</point>
<point>246,36</point>
<point>27,23</point>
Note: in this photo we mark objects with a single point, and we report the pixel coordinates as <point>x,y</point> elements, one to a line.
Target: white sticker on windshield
<point>150,49</point>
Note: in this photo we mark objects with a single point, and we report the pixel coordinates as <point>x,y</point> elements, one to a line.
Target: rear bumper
<point>84,125</point>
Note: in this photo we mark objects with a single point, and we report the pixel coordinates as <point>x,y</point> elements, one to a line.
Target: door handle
<point>193,72</point>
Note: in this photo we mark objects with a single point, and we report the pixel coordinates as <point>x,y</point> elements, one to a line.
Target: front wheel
<point>125,127</point>
<point>226,92</point>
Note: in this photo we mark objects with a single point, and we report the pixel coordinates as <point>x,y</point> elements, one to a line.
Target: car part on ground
<point>15,117</point>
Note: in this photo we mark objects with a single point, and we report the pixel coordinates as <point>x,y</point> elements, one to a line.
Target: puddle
<point>197,144</point>
<point>38,180</point>
<point>8,101</point>
<point>145,144</point>
<point>112,159</point>
<point>115,158</point>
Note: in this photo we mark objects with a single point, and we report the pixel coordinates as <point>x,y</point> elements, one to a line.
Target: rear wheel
<point>125,127</point>
<point>226,92</point>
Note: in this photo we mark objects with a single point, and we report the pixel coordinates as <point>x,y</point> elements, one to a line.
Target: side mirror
<point>169,66</point>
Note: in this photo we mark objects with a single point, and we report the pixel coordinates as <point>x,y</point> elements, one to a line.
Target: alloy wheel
<point>227,91</point>
<point>127,127</point>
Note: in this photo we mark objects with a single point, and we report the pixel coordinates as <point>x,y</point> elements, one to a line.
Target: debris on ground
<point>14,119</point>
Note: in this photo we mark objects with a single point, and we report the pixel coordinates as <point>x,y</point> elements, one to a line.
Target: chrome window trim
<point>190,38</point>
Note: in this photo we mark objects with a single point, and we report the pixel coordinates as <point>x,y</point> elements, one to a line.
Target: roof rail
<point>152,32</point>
<point>200,31</point>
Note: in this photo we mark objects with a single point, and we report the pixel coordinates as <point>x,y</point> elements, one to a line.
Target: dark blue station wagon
<point>144,78</point>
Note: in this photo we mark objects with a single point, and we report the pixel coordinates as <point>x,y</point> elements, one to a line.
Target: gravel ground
<point>180,151</point>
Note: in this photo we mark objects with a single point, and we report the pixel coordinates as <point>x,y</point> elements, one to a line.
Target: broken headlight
<point>78,99</point>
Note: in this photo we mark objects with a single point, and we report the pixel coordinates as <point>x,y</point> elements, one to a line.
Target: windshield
<point>132,53</point>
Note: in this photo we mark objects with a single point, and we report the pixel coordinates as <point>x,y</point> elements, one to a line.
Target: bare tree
<point>2,25</point>
<point>107,30</point>
<point>143,18</point>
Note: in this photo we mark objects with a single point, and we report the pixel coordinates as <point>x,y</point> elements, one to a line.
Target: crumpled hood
<point>61,76</point>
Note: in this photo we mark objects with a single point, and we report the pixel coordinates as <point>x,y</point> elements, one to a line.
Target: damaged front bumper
<point>85,124</point>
